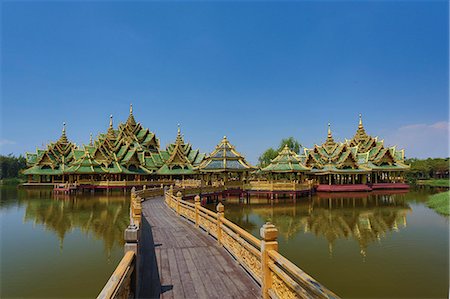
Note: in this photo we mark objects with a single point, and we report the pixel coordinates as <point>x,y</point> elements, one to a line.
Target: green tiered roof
<point>52,160</point>
<point>334,157</point>
<point>225,158</point>
<point>286,161</point>
<point>131,149</point>
<point>378,157</point>
<point>363,153</point>
<point>182,159</point>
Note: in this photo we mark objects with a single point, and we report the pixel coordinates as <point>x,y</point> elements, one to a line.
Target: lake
<point>372,245</point>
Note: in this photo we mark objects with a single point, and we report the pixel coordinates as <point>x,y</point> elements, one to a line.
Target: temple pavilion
<point>225,164</point>
<point>130,155</point>
<point>359,164</point>
<point>287,165</point>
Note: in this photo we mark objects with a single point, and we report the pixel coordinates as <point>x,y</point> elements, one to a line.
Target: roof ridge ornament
<point>130,119</point>
<point>90,140</point>
<point>63,138</point>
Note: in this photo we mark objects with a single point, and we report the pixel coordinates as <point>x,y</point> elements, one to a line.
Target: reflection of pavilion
<point>105,217</point>
<point>366,218</point>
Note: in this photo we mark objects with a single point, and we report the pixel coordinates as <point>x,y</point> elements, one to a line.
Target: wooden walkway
<point>179,261</point>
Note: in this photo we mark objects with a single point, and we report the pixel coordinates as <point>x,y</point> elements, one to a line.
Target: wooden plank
<point>196,277</point>
<point>189,262</point>
<point>186,279</point>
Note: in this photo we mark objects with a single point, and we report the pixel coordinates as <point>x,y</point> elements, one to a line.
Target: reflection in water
<point>104,216</point>
<point>364,218</point>
<point>90,226</point>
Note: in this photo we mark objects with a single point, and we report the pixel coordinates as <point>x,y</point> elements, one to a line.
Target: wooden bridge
<point>179,249</point>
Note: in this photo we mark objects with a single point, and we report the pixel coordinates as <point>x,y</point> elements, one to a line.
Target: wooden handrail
<point>243,233</point>
<point>120,283</point>
<point>277,276</point>
<point>296,278</point>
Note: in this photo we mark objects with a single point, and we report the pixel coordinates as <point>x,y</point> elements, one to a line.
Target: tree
<point>292,143</point>
<point>11,166</point>
<point>267,157</point>
<point>270,154</point>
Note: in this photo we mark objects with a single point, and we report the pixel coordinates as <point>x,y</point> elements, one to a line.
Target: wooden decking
<point>178,261</point>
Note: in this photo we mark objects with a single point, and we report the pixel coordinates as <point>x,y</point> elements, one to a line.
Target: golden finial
<point>111,120</point>
<point>225,137</point>
<point>90,139</point>
<point>360,121</point>
<point>64,128</point>
<point>329,129</point>
<point>178,128</point>
<point>131,108</point>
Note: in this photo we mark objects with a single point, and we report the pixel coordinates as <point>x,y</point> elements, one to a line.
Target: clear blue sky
<point>254,71</point>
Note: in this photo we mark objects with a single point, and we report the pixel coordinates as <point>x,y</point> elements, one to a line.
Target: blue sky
<point>254,71</point>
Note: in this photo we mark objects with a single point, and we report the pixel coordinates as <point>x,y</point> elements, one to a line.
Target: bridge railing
<point>278,185</point>
<point>278,277</point>
<point>120,283</point>
<point>124,281</point>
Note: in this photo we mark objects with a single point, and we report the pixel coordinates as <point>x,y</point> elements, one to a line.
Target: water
<point>360,246</point>
<point>372,245</point>
<point>59,246</point>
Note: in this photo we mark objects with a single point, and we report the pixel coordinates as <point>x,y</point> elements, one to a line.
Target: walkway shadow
<point>149,279</point>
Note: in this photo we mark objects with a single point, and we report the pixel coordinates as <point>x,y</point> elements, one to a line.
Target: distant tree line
<point>431,168</point>
<point>11,166</point>
<point>271,153</point>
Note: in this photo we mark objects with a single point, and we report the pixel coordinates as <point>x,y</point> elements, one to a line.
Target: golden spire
<point>110,134</point>
<point>179,136</point>
<point>330,141</point>
<point>63,137</point>
<point>90,140</point>
<point>361,134</point>
<point>130,119</point>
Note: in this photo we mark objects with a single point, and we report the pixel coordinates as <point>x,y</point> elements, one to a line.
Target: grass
<point>440,202</point>
<point>435,182</point>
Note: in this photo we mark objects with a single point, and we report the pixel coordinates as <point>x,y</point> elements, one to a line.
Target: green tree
<point>292,143</point>
<point>11,166</point>
<point>270,154</point>
<point>267,157</point>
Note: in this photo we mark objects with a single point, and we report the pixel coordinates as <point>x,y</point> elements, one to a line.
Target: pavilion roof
<point>225,158</point>
<point>286,161</point>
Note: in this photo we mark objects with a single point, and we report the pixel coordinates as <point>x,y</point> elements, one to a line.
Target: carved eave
<point>312,162</point>
<point>348,160</point>
<point>385,156</point>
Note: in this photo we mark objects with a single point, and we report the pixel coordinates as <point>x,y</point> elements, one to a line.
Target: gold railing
<point>120,284</point>
<point>124,183</point>
<point>278,186</point>
<point>123,282</point>
<point>278,277</point>
<point>188,183</point>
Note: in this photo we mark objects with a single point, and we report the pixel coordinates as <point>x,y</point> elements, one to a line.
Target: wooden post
<point>197,205</point>
<point>179,197</point>
<point>220,212</point>
<point>131,237</point>
<point>269,242</point>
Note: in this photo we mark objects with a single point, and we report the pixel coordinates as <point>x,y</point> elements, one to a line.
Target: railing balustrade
<point>278,277</point>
